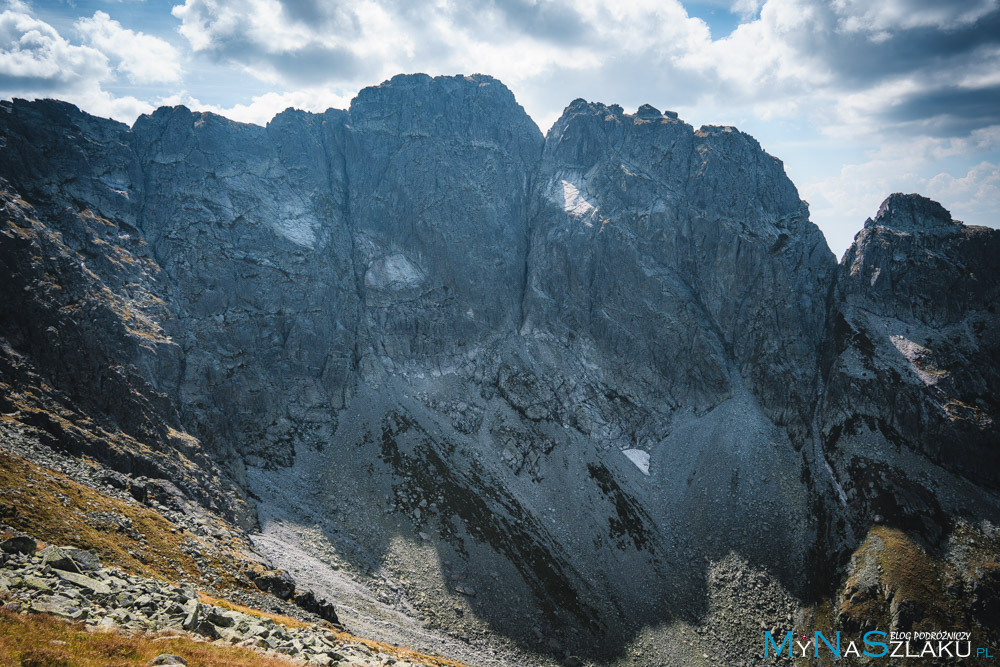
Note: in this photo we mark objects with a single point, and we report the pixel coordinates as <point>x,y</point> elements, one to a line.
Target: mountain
<point>512,398</point>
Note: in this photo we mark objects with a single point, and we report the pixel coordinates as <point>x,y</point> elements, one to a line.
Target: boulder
<point>20,544</point>
<point>36,583</point>
<point>87,583</point>
<point>60,606</point>
<point>59,558</point>
<point>218,618</point>
<point>319,606</point>
<point>194,615</point>
<point>276,582</point>
<point>86,561</point>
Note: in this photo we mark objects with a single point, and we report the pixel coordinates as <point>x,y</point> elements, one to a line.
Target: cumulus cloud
<point>33,55</point>
<point>36,61</point>
<point>262,108</point>
<point>974,196</point>
<point>857,66</point>
<point>840,203</point>
<point>359,40</point>
<point>876,17</point>
<point>142,58</point>
<point>746,8</point>
<point>301,42</point>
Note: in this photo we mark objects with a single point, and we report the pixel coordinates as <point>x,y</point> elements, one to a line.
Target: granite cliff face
<point>915,334</point>
<point>575,393</point>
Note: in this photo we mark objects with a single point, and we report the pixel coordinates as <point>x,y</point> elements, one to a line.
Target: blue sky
<point>858,98</point>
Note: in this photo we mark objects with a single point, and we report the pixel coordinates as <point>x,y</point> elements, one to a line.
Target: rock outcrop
<point>910,406</point>
<point>107,598</point>
<point>554,389</point>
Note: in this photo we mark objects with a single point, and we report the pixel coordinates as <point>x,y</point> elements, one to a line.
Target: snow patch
<point>571,194</point>
<point>394,272</point>
<point>640,458</point>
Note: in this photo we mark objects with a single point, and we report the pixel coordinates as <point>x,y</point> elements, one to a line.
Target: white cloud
<point>142,58</point>
<point>746,8</point>
<point>36,61</point>
<point>977,193</point>
<point>208,23</point>
<point>877,17</point>
<point>263,108</point>
<point>841,203</point>
<point>33,53</point>
<point>365,41</point>
<point>766,53</point>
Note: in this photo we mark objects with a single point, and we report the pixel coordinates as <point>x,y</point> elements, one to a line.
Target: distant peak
<point>424,80</point>
<point>648,111</point>
<point>408,79</point>
<point>169,111</point>
<point>408,88</point>
<point>580,106</point>
<point>474,107</point>
<point>912,212</point>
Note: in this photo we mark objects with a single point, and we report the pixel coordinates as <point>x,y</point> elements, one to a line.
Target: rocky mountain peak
<point>484,372</point>
<point>913,213</point>
<point>475,108</point>
<point>648,111</point>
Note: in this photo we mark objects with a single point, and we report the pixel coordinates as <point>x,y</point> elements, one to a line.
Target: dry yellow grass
<point>56,509</point>
<point>37,640</point>
<point>906,573</point>
<point>909,570</point>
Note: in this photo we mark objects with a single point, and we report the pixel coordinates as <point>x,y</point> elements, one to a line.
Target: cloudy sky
<point>860,98</point>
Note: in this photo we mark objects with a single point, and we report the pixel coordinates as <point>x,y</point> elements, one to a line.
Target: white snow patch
<point>640,458</point>
<point>394,271</point>
<point>572,195</point>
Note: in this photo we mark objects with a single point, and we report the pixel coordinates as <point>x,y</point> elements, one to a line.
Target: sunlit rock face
<point>913,381</point>
<point>685,253</point>
<point>602,378</point>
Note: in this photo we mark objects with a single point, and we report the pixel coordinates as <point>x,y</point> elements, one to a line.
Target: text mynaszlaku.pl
<point>877,644</point>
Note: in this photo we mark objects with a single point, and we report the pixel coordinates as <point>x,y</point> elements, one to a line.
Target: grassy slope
<point>52,507</point>
<point>38,640</point>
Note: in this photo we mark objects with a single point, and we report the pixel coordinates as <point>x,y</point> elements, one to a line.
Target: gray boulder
<point>18,545</point>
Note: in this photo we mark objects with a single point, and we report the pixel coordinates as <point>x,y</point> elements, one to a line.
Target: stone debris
<point>107,598</point>
<point>167,659</point>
